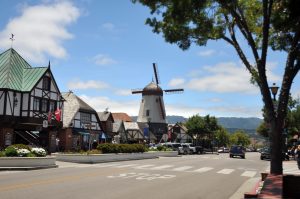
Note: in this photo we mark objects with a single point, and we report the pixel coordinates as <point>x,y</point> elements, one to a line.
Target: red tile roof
<point>121,116</point>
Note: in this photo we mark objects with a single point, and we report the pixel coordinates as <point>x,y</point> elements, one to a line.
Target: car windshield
<point>266,150</point>
<point>236,148</point>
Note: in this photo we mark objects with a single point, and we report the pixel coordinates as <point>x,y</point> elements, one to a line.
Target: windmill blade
<point>156,74</point>
<point>162,110</point>
<point>136,91</point>
<point>171,91</point>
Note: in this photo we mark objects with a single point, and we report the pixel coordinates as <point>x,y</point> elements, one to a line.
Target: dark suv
<point>237,151</point>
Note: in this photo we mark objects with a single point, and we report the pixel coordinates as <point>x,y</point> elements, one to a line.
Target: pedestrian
<point>298,156</point>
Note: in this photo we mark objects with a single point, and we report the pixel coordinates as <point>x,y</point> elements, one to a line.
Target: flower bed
<point>21,150</point>
<point>21,156</point>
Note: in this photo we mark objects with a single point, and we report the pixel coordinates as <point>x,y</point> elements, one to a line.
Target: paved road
<point>193,176</point>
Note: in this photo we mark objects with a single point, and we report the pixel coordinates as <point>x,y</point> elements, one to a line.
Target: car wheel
<point>243,157</point>
<point>261,158</point>
<point>230,156</point>
<point>185,152</point>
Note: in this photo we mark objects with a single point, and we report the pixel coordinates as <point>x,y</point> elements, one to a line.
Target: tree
<point>239,138</point>
<point>263,130</point>
<point>262,23</point>
<point>202,127</point>
<point>222,137</point>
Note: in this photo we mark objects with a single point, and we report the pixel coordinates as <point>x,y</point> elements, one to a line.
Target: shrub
<point>121,148</point>
<point>30,154</point>
<point>21,146</point>
<point>11,151</point>
<point>22,152</point>
<point>2,153</point>
<point>39,152</point>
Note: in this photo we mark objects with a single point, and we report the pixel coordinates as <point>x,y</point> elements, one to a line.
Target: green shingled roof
<point>16,73</point>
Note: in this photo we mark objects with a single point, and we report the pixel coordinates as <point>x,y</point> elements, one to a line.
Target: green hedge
<point>121,148</point>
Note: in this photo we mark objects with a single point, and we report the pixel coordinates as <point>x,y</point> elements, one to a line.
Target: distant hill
<point>239,123</point>
<point>229,123</point>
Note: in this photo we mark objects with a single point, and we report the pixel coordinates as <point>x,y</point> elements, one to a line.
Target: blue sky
<point>102,49</point>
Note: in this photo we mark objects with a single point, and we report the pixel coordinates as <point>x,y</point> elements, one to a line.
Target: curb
<point>27,168</point>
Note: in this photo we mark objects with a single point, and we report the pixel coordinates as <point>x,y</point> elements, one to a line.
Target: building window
<point>46,83</point>
<point>36,104</point>
<point>52,106</point>
<point>44,105</point>
<point>85,118</point>
<point>147,112</point>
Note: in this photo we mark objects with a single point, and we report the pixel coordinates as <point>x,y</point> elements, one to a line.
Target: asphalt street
<point>208,176</point>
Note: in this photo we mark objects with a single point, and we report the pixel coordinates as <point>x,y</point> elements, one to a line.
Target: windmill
<point>152,108</point>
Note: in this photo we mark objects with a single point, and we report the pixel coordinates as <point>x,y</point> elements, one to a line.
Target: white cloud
<point>40,30</point>
<point>102,59</point>
<point>183,110</point>
<point>108,26</point>
<point>123,92</point>
<point>176,82</point>
<point>206,53</point>
<point>100,103</point>
<point>215,100</point>
<point>272,77</point>
<point>222,78</point>
<point>91,84</point>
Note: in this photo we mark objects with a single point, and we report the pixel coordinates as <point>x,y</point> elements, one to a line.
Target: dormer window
<point>46,83</point>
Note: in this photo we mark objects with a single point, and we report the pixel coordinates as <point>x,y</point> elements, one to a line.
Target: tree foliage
<point>222,137</point>
<point>202,127</point>
<point>263,129</point>
<point>240,138</point>
<point>262,23</point>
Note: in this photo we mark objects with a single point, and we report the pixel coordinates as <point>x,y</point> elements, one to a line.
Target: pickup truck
<point>188,148</point>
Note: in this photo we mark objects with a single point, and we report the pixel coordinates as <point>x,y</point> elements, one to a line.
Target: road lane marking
<point>126,165</point>
<point>141,176</point>
<point>146,166</point>
<point>162,167</point>
<point>108,165</point>
<point>183,168</point>
<point>226,171</point>
<point>203,169</point>
<point>250,174</point>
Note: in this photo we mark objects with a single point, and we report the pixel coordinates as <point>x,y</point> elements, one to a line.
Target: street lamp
<point>274,90</point>
<point>149,120</point>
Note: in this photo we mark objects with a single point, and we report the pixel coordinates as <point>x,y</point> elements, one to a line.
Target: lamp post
<point>274,90</point>
<point>148,121</point>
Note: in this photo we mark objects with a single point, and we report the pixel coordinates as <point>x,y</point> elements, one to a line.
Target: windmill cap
<point>152,89</point>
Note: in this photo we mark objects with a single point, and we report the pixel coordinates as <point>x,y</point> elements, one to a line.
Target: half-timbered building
<point>81,125</point>
<point>29,100</point>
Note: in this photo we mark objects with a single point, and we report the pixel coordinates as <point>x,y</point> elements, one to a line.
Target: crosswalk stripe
<point>249,174</point>
<point>203,169</point>
<point>108,165</point>
<point>182,168</point>
<point>144,166</point>
<point>162,167</point>
<point>126,165</point>
<point>225,171</point>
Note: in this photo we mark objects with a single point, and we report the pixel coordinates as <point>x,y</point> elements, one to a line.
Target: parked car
<point>265,153</point>
<point>237,151</point>
<point>223,150</point>
<point>185,149</point>
<point>173,145</point>
<point>188,148</point>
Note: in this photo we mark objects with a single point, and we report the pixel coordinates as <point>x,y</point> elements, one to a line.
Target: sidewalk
<point>280,186</point>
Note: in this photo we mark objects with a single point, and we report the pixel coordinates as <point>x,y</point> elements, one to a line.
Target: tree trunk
<point>276,148</point>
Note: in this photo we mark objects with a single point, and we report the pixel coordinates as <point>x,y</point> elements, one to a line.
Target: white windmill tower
<point>152,108</point>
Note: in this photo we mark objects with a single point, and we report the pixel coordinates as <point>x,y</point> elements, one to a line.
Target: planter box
<point>27,162</point>
<point>111,157</point>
